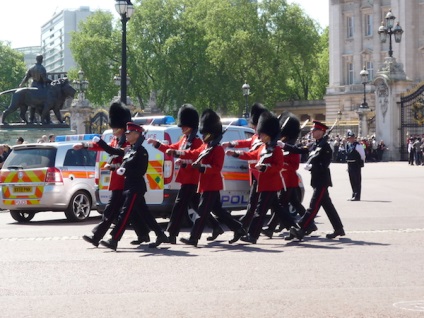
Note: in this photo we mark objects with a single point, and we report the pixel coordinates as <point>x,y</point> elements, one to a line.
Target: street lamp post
<point>246,91</point>
<point>339,118</point>
<point>81,86</point>
<point>383,31</point>
<point>364,76</point>
<point>125,9</point>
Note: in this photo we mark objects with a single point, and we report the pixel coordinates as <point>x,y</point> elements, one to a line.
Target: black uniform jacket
<point>135,163</point>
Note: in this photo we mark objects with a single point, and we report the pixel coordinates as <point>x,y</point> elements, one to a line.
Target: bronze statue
<point>38,74</point>
<point>40,100</point>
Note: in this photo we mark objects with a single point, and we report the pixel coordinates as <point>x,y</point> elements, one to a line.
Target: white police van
<point>161,173</point>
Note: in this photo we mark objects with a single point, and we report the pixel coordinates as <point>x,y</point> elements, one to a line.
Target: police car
<point>161,172</point>
<point>50,176</point>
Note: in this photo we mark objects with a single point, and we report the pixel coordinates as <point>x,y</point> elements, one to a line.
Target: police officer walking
<point>355,158</point>
<point>319,164</point>
<point>134,167</point>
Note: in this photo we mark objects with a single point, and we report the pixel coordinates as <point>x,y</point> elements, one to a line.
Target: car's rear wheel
<point>22,216</point>
<point>79,207</point>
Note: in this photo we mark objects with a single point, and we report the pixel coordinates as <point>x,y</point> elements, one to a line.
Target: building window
<point>368,25</point>
<point>370,68</point>
<point>349,27</point>
<point>349,73</point>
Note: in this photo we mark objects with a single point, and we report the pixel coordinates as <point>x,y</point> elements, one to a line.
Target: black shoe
<point>289,237</point>
<point>188,241</point>
<point>237,235</point>
<point>297,233</point>
<point>354,199</point>
<point>248,238</point>
<point>140,240</point>
<point>267,232</point>
<point>159,240</point>
<point>91,239</point>
<point>336,233</point>
<point>215,233</point>
<point>112,244</point>
<point>172,239</point>
<point>311,228</point>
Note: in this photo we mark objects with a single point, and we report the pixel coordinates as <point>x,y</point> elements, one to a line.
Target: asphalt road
<point>376,270</point>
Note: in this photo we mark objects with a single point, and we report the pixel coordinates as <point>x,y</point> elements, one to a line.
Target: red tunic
<point>116,181</point>
<point>291,165</point>
<point>211,179</point>
<point>251,143</point>
<point>186,174</point>
<point>271,179</point>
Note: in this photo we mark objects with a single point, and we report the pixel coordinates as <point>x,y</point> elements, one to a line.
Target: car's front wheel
<point>79,207</point>
<point>22,216</point>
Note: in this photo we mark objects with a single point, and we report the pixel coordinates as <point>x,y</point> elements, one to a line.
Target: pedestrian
<point>411,151</point>
<point>119,115</point>
<point>355,158</point>
<point>269,162</point>
<point>319,165</point>
<point>188,177</point>
<point>252,143</point>
<point>51,138</point>
<point>20,140</point>
<point>209,160</point>
<point>133,168</point>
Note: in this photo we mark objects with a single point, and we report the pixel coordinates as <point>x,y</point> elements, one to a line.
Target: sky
<point>22,27</point>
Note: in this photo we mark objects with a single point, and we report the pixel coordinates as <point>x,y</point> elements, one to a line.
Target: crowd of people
<point>273,156</point>
<point>415,150</point>
<point>374,149</point>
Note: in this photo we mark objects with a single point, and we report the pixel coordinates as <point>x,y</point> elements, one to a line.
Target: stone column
<point>80,113</point>
<point>363,121</point>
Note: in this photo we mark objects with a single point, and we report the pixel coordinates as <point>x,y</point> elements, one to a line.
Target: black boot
<point>141,239</point>
<point>159,240</point>
<point>215,233</point>
<point>237,235</point>
<point>112,244</point>
<point>188,241</point>
<point>336,233</point>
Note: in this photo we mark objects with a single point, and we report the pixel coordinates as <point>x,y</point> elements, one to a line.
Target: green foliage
<point>12,70</point>
<point>202,51</point>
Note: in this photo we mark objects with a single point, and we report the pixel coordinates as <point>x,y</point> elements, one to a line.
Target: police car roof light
<point>87,137</point>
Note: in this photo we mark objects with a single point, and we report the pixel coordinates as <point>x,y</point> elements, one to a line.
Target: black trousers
<point>286,197</point>
<point>135,208</point>
<point>187,197</point>
<point>210,201</point>
<point>246,219</point>
<point>267,200</point>
<point>321,197</point>
<point>355,178</point>
<point>111,213</point>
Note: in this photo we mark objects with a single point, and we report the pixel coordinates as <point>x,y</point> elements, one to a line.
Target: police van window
<point>89,157</point>
<point>73,158</point>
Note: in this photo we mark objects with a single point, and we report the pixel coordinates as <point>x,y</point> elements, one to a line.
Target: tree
<point>96,49</point>
<point>12,70</point>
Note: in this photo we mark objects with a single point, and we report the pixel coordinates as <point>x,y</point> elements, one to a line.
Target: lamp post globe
<point>246,91</point>
<point>125,9</point>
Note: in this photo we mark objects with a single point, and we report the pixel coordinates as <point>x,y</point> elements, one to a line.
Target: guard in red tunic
<point>270,162</point>
<point>252,144</point>
<point>290,129</point>
<point>119,115</point>
<point>209,159</point>
<point>188,120</point>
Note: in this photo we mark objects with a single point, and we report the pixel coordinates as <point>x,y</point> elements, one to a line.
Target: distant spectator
<point>43,139</point>
<point>51,138</point>
<point>19,141</point>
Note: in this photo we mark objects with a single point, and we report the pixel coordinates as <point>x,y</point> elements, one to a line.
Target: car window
<point>30,158</point>
<point>79,158</point>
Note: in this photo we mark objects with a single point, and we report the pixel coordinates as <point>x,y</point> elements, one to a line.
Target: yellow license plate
<point>22,189</point>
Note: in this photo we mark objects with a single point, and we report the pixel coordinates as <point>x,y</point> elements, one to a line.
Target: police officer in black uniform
<point>318,163</point>
<point>355,158</point>
<point>134,167</point>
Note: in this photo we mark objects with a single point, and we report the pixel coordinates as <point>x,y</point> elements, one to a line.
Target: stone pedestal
<point>80,111</point>
<point>389,83</point>
<point>363,121</point>
<point>31,133</point>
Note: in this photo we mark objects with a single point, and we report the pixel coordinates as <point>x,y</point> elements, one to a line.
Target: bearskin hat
<point>268,124</point>
<point>210,123</point>
<point>119,115</point>
<point>291,128</point>
<point>255,112</point>
<point>188,116</point>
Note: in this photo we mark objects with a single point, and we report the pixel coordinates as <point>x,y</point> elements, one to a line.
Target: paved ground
<point>376,270</point>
